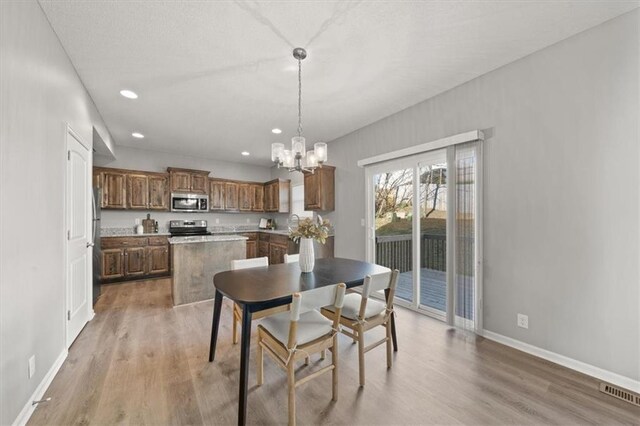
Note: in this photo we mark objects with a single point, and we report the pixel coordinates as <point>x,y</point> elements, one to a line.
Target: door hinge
<point>68,315</point>
<point>69,234</point>
<point>68,155</point>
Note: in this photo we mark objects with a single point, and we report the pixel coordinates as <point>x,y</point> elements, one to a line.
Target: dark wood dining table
<point>256,289</point>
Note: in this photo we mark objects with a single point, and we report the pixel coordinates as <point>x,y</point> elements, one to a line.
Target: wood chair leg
<point>291,380</point>
<point>334,373</point>
<point>389,345</point>
<point>235,329</point>
<point>361,354</point>
<point>260,361</point>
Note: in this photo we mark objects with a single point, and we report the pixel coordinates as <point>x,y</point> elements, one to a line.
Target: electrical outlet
<point>217,221</point>
<point>361,222</point>
<point>523,321</point>
<point>248,220</point>
<point>32,366</point>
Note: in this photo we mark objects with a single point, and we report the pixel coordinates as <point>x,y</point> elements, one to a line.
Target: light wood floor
<point>141,361</point>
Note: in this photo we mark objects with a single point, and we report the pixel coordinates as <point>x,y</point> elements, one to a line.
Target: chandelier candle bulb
<point>287,158</point>
<point>320,149</point>
<point>312,159</point>
<point>277,152</point>
<point>297,146</point>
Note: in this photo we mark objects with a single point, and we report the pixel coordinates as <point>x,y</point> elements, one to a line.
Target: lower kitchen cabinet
<point>112,264</point>
<point>158,260</point>
<point>276,253</point>
<point>263,248</point>
<point>132,258</point>
<point>252,244</point>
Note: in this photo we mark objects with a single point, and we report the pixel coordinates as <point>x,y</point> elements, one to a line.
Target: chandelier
<point>297,159</point>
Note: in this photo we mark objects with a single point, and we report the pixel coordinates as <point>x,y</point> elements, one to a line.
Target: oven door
<point>185,203</point>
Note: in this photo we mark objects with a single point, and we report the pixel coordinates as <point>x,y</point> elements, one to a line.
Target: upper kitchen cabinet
<point>113,185</point>
<point>257,196</point>
<point>137,191</point>
<point>319,189</point>
<point>158,191</point>
<point>277,194</point>
<point>245,200</point>
<point>131,189</point>
<point>216,194</point>
<point>189,181</point>
<point>231,200</point>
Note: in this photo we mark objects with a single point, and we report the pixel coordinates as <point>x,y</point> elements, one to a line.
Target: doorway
<point>78,242</point>
<point>423,219</point>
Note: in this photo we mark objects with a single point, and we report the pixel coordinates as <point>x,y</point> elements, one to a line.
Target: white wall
<point>561,191</point>
<point>156,161</point>
<point>41,92</point>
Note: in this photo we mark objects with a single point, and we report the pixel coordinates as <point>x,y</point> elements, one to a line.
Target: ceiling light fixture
<point>245,153</point>
<point>276,131</point>
<point>298,159</point>
<point>129,94</point>
<point>137,135</point>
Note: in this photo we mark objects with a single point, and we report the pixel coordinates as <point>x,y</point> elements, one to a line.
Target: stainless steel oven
<point>189,203</point>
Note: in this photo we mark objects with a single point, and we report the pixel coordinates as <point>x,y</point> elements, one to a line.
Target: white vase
<point>307,257</point>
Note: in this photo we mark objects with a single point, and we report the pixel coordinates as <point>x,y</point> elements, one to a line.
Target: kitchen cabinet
<point>252,244</point>
<point>132,189</point>
<point>319,189</point>
<point>137,191</point>
<point>134,261</point>
<point>263,248</point>
<point>257,196</point>
<point>114,194</point>
<point>189,181</point>
<point>276,253</point>
<point>216,194</point>
<point>157,259</point>
<point>277,195</point>
<point>112,264</point>
<point>231,196</point>
<point>127,258</point>
<point>244,197</point>
<point>158,192</point>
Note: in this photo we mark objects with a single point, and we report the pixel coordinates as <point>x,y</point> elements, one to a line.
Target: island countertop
<point>205,239</point>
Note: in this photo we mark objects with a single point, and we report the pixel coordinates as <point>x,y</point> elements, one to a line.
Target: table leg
<point>393,325</point>
<point>244,364</point>
<point>217,307</point>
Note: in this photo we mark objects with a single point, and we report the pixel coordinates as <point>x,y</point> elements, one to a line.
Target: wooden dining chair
<point>237,309</point>
<point>291,336</point>
<point>361,313</point>
<point>291,258</point>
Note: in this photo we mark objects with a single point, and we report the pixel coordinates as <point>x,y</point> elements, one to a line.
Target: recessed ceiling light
<point>245,153</point>
<point>276,131</point>
<point>129,94</point>
<point>137,135</point>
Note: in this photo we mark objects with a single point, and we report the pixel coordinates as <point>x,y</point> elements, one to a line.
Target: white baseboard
<point>29,408</point>
<point>588,369</point>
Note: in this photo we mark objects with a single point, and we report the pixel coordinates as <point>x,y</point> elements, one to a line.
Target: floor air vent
<point>625,395</point>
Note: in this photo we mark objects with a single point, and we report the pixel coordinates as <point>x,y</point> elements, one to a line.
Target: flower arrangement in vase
<point>308,230</point>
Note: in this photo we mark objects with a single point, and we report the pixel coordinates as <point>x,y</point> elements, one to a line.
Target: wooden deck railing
<point>395,252</point>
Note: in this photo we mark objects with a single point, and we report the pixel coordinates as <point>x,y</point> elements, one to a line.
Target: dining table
<point>267,287</point>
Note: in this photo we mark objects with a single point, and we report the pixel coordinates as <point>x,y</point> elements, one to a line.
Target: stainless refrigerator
<point>97,255</point>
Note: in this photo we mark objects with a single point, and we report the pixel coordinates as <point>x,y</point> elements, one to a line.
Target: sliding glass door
<point>423,220</point>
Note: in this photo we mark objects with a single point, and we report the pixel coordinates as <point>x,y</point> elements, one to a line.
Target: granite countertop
<point>129,232</point>
<point>244,231</point>
<point>205,239</point>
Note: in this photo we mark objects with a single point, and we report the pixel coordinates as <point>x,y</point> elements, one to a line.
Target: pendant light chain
<point>299,97</point>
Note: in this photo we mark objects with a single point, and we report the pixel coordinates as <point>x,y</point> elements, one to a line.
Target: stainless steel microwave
<point>189,203</point>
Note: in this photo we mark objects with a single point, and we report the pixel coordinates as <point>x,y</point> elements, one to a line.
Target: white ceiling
<point>215,77</point>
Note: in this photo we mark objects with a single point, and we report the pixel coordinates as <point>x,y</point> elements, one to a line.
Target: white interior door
<point>78,252</point>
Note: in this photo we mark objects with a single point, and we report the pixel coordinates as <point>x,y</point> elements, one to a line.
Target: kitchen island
<point>196,259</point>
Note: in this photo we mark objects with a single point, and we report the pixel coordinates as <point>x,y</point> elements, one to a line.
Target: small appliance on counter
<point>181,228</point>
